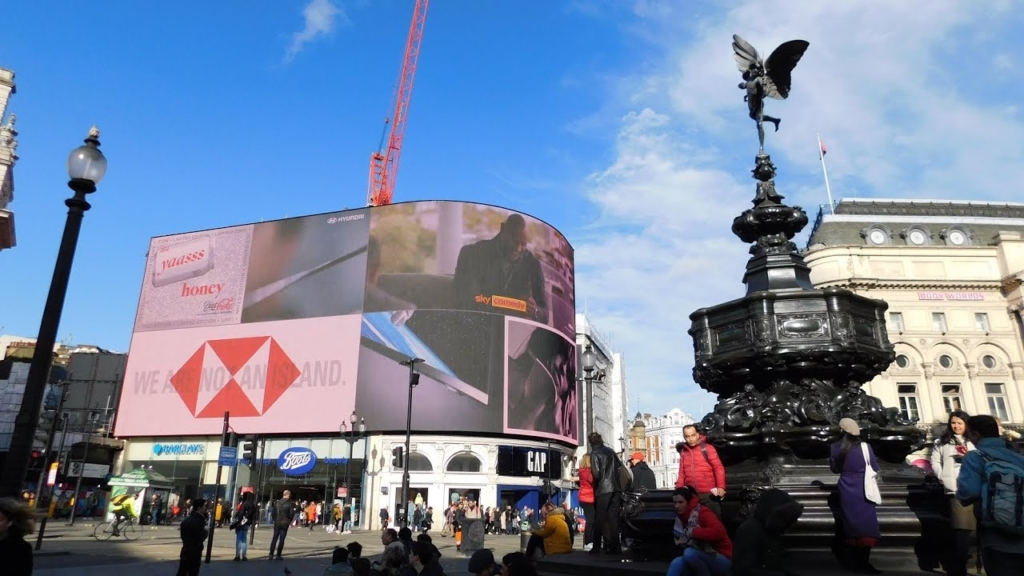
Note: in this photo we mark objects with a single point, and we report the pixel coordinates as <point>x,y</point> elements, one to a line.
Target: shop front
<point>320,470</point>
<point>445,470</point>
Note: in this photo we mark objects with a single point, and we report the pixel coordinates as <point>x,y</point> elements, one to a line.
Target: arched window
<point>464,462</point>
<point>418,463</point>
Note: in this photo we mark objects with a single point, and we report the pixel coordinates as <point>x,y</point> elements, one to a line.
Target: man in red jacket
<point>700,467</point>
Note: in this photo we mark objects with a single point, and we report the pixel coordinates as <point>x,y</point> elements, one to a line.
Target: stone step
<point>893,562</point>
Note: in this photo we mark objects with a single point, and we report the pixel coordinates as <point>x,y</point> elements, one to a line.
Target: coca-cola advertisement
<point>195,279</point>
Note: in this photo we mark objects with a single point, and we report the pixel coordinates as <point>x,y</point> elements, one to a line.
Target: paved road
<point>70,551</point>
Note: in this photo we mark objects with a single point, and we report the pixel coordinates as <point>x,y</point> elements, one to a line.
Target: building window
<point>896,319</point>
<point>956,236</point>
<point>946,361</point>
<point>939,322</point>
<point>464,463</point>
<point>951,399</point>
<point>908,401</point>
<point>981,322</point>
<point>418,463</point>
<point>902,361</point>
<point>877,235</point>
<point>917,236</point>
<point>989,361</point>
<point>997,401</point>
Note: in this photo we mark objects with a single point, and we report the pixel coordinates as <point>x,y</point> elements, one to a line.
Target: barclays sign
<point>296,461</point>
<point>178,449</point>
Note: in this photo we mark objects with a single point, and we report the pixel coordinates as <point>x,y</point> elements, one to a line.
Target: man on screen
<point>501,275</point>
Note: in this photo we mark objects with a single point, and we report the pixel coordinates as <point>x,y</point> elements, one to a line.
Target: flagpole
<point>828,190</point>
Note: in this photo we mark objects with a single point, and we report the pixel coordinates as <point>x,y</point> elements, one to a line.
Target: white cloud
<point>321,17</point>
<point>889,85</point>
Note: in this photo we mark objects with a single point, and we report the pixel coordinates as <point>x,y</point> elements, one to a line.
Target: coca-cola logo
<point>296,461</point>
<point>216,306</point>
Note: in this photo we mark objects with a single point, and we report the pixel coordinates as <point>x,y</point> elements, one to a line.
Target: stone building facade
<point>952,275</point>
<point>8,158</point>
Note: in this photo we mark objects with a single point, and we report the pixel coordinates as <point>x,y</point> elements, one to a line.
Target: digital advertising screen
<point>277,321</point>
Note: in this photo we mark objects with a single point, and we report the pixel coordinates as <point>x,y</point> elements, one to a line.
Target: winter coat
<point>709,530</point>
<point>17,555</point>
<point>943,464</point>
<point>972,482</point>
<point>643,477</point>
<point>193,533</point>
<point>759,548</point>
<point>604,466</point>
<point>284,512</point>
<point>555,533</point>
<point>246,510</point>
<point>860,519</point>
<point>586,486</point>
<point>700,467</point>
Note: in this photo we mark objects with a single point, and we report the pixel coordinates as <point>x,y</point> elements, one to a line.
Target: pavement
<point>68,551</point>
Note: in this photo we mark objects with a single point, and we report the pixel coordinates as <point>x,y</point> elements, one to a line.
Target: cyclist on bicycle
<point>123,507</point>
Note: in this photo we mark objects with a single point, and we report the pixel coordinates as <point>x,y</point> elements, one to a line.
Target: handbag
<point>871,491</point>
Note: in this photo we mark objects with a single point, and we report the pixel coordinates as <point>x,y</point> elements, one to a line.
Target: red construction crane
<point>384,162</point>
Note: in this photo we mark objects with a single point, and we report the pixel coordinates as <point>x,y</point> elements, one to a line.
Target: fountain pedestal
<point>787,362</point>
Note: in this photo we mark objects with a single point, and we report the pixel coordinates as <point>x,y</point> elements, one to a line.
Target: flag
<point>823,149</point>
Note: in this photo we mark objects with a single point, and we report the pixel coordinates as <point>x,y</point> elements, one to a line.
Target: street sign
<point>228,456</point>
<point>90,471</point>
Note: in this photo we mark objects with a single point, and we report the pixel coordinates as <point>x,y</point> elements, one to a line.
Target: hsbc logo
<point>248,374</point>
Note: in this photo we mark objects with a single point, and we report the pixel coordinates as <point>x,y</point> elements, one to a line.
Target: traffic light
<point>45,427</point>
<point>397,460</point>
<point>249,450</point>
<point>550,490</point>
<point>36,460</point>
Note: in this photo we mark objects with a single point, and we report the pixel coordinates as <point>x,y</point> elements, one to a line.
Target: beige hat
<point>849,425</point>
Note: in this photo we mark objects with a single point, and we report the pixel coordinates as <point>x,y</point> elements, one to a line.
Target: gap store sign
<point>178,449</point>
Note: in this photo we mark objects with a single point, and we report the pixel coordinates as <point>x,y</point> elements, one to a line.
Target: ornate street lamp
<point>86,167</point>
<point>591,375</point>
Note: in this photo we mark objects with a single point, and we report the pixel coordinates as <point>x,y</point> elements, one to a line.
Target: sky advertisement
<point>291,325</point>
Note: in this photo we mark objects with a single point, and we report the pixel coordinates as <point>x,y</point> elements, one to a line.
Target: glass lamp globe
<point>589,360</point>
<point>87,162</point>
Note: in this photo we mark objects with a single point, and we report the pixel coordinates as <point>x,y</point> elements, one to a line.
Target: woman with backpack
<point>245,516</point>
<point>992,478</point>
<point>855,462</point>
<point>946,456</point>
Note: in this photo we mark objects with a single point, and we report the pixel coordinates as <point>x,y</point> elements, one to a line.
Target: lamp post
<point>86,167</point>
<point>362,477</point>
<point>591,374</point>
<point>350,440</point>
<point>93,417</point>
<point>414,379</point>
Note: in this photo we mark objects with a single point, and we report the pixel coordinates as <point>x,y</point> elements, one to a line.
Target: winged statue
<point>771,78</point>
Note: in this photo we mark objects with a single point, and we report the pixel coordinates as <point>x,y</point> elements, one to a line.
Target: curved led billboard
<point>291,325</point>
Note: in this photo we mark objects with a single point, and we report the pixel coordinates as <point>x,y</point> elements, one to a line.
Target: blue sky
<point>617,121</point>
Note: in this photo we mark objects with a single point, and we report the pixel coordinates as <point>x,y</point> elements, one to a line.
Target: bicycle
<point>128,529</point>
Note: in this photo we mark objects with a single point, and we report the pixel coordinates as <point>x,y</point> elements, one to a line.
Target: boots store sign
<point>296,461</point>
